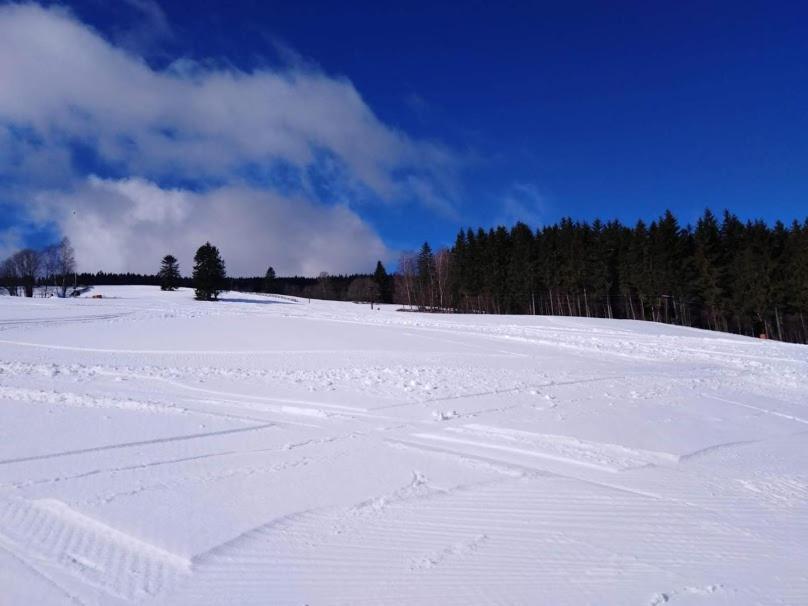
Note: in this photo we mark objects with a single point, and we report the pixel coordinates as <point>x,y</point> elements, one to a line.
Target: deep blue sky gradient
<point>606,109</point>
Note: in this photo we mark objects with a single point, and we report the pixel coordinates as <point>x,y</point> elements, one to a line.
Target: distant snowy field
<point>157,450</point>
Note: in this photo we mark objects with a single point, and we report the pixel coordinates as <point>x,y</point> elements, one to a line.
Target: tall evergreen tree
<point>384,283</point>
<point>708,265</point>
<point>269,280</point>
<point>169,273</point>
<point>497,272</point>
<point>473,269</point>
<point>426,277</point>
<point>457,272</point>
<point>796,275</point>
<point>520,270</point>
<point>732,246</point>
<point>209,273</point>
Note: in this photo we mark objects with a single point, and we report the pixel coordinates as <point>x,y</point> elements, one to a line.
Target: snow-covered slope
<point>156,450</point>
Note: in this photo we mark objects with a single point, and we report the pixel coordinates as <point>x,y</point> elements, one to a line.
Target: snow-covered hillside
<point>156,450</point>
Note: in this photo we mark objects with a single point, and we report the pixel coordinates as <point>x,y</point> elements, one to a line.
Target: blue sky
<point>449,116</point>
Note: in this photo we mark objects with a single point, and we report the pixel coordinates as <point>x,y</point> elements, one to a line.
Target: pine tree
<point>209,273</point>
<point>520,270</point>
<point>169,273</point>
<point>669,251</point>
<point>570,260</point>
<point>550,267</point>
<point>497,269</point>
<point>708,262</point>
<point>779,294</point>
<point>458,289</point>
<point>732,244</point>
<point>382,280</point>
<point>426,277</point>
<point>755,262</point>
<point>269,280</point>
<point>613,246</point>
<point>472,270</point>
<point>796,277</point>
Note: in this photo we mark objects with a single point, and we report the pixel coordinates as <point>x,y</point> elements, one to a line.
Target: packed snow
<point>263,450</point>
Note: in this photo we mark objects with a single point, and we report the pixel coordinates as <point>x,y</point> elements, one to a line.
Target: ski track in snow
<point>90,550</point>
<point>154,450</point>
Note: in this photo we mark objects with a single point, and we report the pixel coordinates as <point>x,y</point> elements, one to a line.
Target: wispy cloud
<point>522,202</point>
<point>149,31</point>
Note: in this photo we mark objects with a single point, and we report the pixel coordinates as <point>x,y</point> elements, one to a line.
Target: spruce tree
<point>458,270</point>
<point>426,276</point>
<point>473,270</point>
<point>382,279</point>
<point>209,273</point>
<point>520,270</point>
<point>169,273</point>
<point>708,261</point>
<point>732,244</point>
<point>797,275</point>
<point>597,284</point>
<point>498,269</point>
<point>269,280</point>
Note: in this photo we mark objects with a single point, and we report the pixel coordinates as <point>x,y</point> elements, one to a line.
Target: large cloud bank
<point>130,223</point>
<point>64,86</point>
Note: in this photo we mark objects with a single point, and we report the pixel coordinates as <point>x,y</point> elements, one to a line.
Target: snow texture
<point>261,450</point>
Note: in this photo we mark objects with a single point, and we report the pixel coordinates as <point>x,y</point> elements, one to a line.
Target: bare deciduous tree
<point>28,264</point>
<point>9,278</point>
<point>50,266</point>
<point>407,273</point>
<point>65,262</point>
<point>442,265</point>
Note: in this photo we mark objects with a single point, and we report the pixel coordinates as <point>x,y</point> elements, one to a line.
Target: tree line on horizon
<point>727,275</point>
<point>335,287</point>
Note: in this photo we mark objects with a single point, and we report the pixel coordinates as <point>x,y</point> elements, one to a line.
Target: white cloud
<point>64,80</point>
<point>61,82</point>
<point>130,224</point>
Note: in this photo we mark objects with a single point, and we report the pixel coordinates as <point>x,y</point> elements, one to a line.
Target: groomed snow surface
<point>158,450</point>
